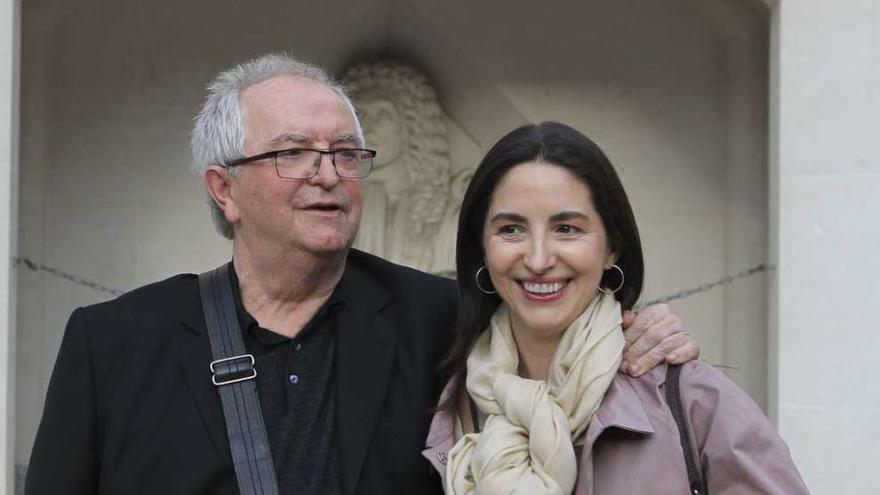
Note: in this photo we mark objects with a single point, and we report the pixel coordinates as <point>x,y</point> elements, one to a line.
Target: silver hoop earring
<point>477,280</point>
<point>605,291</point>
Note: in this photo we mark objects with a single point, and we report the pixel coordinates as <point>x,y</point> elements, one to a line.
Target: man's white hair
<point>218,134</point>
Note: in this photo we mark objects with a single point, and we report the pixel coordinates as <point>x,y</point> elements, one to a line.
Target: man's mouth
<point>326,207</point>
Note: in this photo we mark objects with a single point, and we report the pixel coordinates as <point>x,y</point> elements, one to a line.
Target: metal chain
<point>707,286</point>
<point>38,267</point>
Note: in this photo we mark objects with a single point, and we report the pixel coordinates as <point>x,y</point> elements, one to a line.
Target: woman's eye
<point>567,229</point>
<point>510,230</point>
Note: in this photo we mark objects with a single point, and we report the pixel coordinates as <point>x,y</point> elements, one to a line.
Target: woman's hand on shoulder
<point>655,335</point>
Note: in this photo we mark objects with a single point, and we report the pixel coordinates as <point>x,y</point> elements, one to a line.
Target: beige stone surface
<point>825,164</point>
<point>9,167</point>
<point>673,92</point>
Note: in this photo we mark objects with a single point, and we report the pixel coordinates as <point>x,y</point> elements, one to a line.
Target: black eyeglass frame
<point>274,156</point>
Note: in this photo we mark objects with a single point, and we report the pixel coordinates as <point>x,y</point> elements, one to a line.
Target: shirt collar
<point>249,324</point>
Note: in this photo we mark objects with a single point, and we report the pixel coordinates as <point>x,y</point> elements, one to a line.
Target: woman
<point>548,255</point>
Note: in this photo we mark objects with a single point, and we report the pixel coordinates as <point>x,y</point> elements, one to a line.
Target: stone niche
<point>675,92</point>
<point>413,196</point>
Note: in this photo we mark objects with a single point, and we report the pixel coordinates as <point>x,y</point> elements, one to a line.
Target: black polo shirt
<point>296,384</point>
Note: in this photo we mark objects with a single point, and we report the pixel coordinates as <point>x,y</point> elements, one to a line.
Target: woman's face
<point>545,247</point>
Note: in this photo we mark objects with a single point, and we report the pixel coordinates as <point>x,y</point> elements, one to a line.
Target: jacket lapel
<point>194,353</point>
<point>620,408</point>
<point>441,439</point>
<point>366,346</point>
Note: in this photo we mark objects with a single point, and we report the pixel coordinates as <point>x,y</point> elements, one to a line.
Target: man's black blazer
<point>131,408</point>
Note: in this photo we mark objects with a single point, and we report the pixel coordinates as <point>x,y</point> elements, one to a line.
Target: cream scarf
<point>526,444</point>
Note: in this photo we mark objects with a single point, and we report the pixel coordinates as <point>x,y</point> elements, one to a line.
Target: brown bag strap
<point>673,399</point>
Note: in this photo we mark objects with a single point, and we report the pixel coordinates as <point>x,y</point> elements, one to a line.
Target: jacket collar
<point>442,429</point>
<point>441,437</point>
<point>194,355</point>
<point>366,344</point>
<point>621,408</point>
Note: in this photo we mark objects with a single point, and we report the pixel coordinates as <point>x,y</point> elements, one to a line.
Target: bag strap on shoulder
<point>233,373</point>
<point>673,399</point>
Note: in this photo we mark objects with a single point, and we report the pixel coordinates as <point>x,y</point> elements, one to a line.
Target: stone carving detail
<point>411,199</point>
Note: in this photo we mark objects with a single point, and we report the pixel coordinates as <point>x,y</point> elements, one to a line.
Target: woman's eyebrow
<point>508,217</point>
<point>564,216</point>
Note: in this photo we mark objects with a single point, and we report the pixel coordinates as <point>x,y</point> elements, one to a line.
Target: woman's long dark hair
<point>556,144</point>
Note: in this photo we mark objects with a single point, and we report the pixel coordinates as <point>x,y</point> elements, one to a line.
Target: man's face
<point>318,215</point>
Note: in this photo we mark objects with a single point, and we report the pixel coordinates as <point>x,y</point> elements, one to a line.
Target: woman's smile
<point>543,290</point>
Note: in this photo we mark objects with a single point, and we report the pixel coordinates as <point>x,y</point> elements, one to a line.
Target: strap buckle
<point>233,370</point>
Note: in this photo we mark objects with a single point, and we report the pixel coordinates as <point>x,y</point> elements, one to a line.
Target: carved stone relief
<point>412,197</point>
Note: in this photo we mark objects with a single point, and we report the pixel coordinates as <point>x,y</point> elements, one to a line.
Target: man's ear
<point>218,183</point>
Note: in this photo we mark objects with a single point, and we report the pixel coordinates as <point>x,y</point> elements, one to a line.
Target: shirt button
<point>442,457</point>
<point>299,347</point>
<point>294,379</point>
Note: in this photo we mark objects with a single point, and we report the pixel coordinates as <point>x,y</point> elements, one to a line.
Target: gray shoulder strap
<point>233,374</point>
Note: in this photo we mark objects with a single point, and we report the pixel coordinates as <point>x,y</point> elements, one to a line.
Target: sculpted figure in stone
<point>443,262</point>
<point>407,195</point>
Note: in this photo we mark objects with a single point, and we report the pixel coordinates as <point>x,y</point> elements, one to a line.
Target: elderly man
<point>346,344</point>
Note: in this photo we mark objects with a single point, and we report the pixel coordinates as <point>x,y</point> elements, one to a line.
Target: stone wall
<point>673,91</point>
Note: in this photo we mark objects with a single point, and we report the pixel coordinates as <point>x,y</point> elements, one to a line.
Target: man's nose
<point>326,175</point>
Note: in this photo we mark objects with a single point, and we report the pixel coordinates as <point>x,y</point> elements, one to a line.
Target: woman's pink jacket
<point>632,444</point>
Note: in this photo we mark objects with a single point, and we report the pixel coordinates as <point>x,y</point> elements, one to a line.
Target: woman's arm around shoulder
<point>740,451</point>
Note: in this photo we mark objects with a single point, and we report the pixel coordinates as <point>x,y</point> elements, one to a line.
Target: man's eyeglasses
<point>304,163</point>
